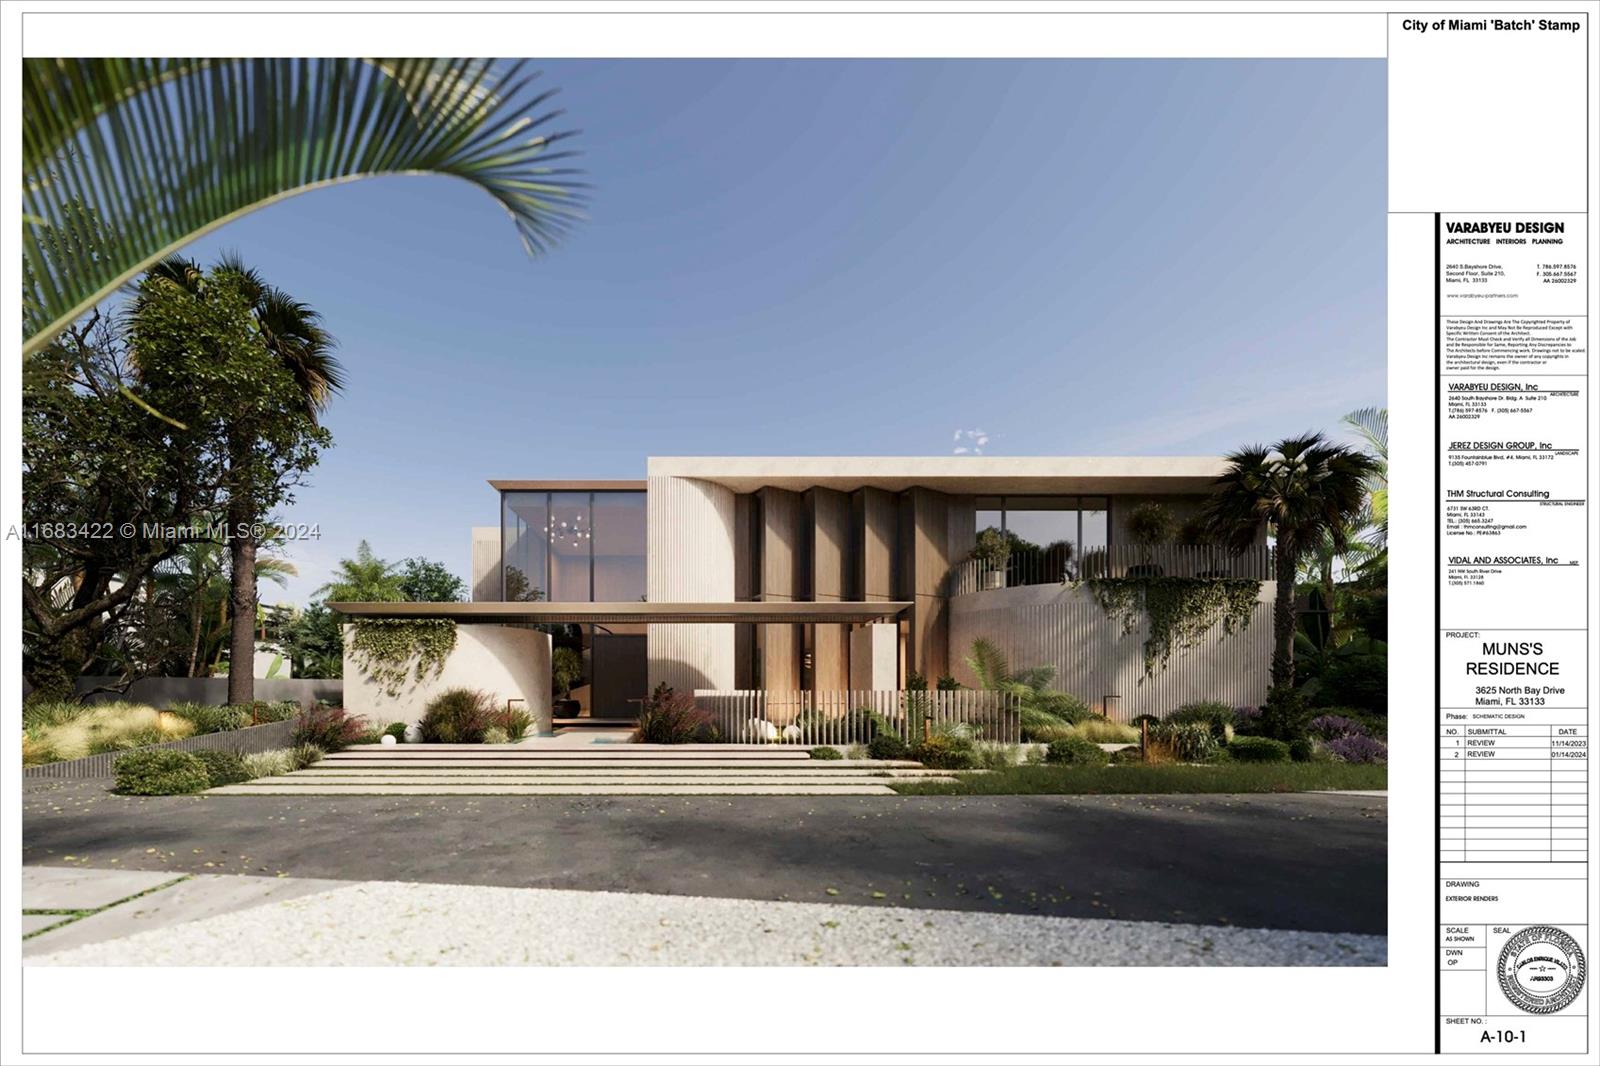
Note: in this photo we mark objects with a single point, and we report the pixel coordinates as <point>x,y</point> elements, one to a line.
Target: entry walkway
<point>556,766</point>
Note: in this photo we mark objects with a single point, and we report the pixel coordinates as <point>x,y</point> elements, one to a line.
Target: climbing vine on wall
<point>1180,610</point>
<point>394,651</point>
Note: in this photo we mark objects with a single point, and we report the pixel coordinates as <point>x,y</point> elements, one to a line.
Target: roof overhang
<point>548,485</point>
<point>977,475</point>
<point>513,611</point>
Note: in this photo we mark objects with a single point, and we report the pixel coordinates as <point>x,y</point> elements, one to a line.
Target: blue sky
<point>836,257</point>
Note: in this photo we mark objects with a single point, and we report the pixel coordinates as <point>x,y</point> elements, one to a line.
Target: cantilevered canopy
<point>512,611</point>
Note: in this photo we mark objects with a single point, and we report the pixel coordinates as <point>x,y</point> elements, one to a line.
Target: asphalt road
<point>1311,862</point>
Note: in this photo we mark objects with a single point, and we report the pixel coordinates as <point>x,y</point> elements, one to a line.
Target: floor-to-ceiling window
<point>524,545</point>
<point>583,547</point>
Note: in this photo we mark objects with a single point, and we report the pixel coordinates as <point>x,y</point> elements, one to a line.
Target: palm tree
<point>126,160</point>
<point>292,332</point>
<point>365,579</point>
<point>1301,489</point>
<point>1371,425</point>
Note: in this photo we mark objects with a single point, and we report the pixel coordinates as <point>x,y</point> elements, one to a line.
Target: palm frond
<point>988,664</point>
<point>1371,424</point>
<point>126,160</point>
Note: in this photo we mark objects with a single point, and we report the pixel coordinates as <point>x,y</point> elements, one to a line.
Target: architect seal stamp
<point>1541,969</point>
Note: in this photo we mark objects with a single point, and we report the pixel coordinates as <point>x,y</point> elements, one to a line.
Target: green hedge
<point>1075,751</point>
<point>160,773</point>
<point>1259,749</point>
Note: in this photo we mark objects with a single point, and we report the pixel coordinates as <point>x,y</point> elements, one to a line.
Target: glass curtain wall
<point>582,547</point>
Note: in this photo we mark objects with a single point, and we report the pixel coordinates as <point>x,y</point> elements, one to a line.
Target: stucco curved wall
<point>691,531</point>
<point>504,661</point>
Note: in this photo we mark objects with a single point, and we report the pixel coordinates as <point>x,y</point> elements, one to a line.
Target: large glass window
<point>619,546</point>
<point>524,545</point>
<point>1051,536</point>
<point>573,547</point>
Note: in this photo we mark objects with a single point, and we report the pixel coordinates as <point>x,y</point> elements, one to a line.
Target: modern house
<point>838,574</point>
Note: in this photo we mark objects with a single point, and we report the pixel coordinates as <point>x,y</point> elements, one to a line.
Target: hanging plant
<point>1181,610</point>
<point>395,651</point>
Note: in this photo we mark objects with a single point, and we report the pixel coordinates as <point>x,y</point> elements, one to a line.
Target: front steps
<point>599,770</point>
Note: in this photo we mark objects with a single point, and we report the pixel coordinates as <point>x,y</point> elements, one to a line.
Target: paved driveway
<point>1314,862</point>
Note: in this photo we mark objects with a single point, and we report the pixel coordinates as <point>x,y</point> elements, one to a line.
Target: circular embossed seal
<point>1541,969</point>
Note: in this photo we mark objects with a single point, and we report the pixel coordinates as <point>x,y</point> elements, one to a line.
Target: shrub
<point>210,718</point>
<point>495,735</point>
<point>304,755</point>
<point>1184,741</point>
<point>160,773</point>
<point>329,728</point>
<point>886,745</point>
<point>995,756</point>
<point>223,767</point>
<point>1126,755</point>
<point>273,763</point>
<point>1285,714</point>
<point>1301,749</point>
<point>1075,751</point>
<point>1247,721</point>
<point>1104,731</point>
<point>1144,719</point>
<point>826,752</point>
<point>671,717</point>
<point>1357,675</point>
<point>1045,736</point>
<point>396,730</point>
<point>38,714</point>
<point>1259,749</point>
<point>1359,749</point>
<point>941,751</point>
<point>514,721</point>
<point>457,716</point>
<point>1332,726</point>
<point>260,712</point>
<point>1217,716</point>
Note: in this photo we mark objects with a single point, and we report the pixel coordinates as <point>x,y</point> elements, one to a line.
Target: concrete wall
<point>1063,626</point>
<point>875,657</point>
<point>691,551</point>
<point>504,661</point>
<point>486,563</point>
<point>163,692</point>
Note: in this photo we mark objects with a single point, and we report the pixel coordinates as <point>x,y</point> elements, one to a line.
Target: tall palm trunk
<point>1283,612</point>
<point>242,579</point>
<point>242,599</point>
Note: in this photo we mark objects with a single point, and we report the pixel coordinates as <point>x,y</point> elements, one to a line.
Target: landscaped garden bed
<point>59,731</point>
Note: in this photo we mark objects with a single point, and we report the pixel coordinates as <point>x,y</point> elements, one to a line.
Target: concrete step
<point>628,750</point>
<point>572,754</point>
<point>597,764</point>
<point>448,789</point>
<point>363,781</point>
<point>560,773</point>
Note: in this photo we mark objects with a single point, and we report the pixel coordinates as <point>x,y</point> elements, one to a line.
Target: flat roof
<point>977,474</point>
<point>632,611</point>
<point>549,485</point>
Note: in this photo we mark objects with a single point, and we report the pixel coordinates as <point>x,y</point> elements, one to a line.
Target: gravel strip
<point>391,923</point>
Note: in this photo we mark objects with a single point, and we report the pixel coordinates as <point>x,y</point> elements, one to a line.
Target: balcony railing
<point>1047,567</point>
